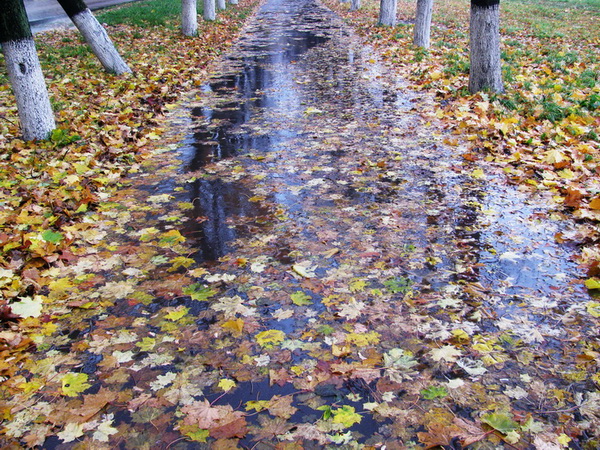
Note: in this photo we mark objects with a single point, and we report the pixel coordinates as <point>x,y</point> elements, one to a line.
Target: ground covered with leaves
<point>305,252</point>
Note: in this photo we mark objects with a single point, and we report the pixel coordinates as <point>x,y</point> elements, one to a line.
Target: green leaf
<point>52,236</point>
<point>398,285</point>
<point>326,411</point>
<point>74,383</point>
<point>346,415</point>
<point>592,283</point>
<point>198,436</point>
<point>500,422</point>
<point>177,314</point>
<point>434,392</point>
<point>199,292</point>
<point>301,299</point>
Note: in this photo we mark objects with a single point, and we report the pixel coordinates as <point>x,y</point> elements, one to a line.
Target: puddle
<point>342,246</point>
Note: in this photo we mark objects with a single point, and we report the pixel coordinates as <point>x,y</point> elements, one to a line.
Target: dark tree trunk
<point>486,70</point>
<point>95,35</point>
<point>387,12</point>
<point>24,71</point>
<point>422,37</point>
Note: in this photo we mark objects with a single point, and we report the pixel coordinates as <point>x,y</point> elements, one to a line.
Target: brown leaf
<point>236,428</point>
<point>282,406</point>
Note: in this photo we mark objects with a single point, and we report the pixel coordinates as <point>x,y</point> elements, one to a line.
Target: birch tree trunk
<point>189,17</point>
<point>95,35</point>
<point>422,37</point>
<point>221,5</point>
<point>387,12</point>
<point>355,5</point>
<point>24,71</point>
<point>486,69</point>
<point>209,10</point>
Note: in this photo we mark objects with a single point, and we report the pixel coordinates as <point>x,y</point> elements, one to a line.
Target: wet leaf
<point>301,299</point>
<point>74,384</point>
<point>501,422</point>
<point>270,338</point>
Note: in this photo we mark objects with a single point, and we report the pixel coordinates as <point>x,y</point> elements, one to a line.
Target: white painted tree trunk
<point>209,10</point>
<point>97,38</point>
<point>189,17</point>
<point>422,36</point>
<point>221,5</point>
<point>27,81</point>
<point>355,5</point>
<point>387,12</point>
<point>486,69</point>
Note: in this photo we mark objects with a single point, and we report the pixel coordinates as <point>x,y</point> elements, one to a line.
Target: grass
<point>145,14</point>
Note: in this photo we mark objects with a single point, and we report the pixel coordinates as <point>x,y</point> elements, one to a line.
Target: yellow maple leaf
<point>270,338</point>
<point>236,326</point>
<point>226,384</point>
<point>180,261</point>
<point>74,383</point>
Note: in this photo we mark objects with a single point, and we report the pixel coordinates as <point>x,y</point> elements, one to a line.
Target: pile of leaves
<point>106,125</point>
<point>370,298</point>
<point>545,129</point>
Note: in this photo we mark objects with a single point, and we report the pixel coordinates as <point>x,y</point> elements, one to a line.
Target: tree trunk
<point>24,71</point>
<point>221,5</point>
<point>233,2</point>
<point>355,5</point>
<point>209,10</point>
<point>387,12</point>
<point>95,35</point>
<point>486,70</point>
<point>422,37</point>
<point>189,17</point>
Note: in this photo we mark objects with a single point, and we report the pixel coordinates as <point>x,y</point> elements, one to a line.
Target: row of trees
<point>484,38</point>
<point>35,112</point>
<point>23,66</point>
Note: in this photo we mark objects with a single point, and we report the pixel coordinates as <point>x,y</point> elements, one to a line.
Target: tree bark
<point>189,17</point>
<point>387,12</point>
<point>24,72</point>
<point>233,2</point>
<point>355,5</point>
<point>95,35</point>
<point>221,5</point>
<point>486,69</point>
<point>209,10</point>
<point>422,37</point>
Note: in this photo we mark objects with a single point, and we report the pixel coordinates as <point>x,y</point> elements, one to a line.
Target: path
<point>315,268</point>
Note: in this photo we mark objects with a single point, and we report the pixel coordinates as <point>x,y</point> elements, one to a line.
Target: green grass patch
<point>145,14</point>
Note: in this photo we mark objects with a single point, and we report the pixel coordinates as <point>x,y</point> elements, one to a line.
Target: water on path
<point>350,279</point>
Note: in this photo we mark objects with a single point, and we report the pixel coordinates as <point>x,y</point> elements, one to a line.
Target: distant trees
<point>484,45</point>
<point>24,71</point>
<point>95,35</point>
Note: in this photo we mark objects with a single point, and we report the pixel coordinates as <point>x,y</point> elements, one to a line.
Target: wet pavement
<point>339,263</point>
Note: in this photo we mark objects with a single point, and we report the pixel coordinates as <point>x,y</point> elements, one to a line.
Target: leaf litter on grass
<point>312,265</point>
